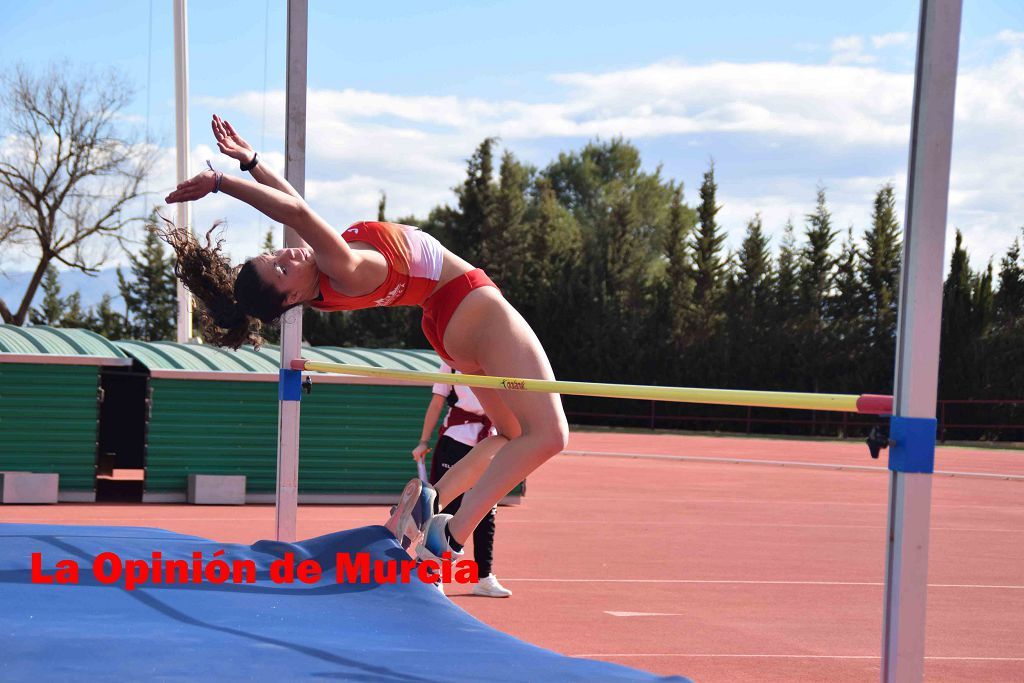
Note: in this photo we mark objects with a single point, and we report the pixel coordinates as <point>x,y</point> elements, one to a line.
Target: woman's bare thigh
<point>487,332</point>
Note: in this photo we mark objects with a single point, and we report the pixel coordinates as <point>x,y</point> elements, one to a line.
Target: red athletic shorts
<point>439,308</point>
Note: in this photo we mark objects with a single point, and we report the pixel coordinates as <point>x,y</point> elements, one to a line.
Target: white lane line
<point>761,583</point>
<point>644,614</point>
<point>683,522</point>
<point>784,463</point>
<point>774,656</point>
<point>534,497</point>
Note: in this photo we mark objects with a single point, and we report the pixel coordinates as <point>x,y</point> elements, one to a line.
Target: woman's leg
<point>463,474</point>
<point>488,333</point>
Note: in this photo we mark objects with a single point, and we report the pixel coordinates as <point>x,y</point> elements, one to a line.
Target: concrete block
<point>19,488</point>
<point>216,489</point>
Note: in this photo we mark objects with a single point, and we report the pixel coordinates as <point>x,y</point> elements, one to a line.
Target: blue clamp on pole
<point>289,387</point>
<point>912,444</point>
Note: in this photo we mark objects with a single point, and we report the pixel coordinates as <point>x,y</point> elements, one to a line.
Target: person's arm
<point>234,145</point>
<point>429,422</point>
<point>333,255</point>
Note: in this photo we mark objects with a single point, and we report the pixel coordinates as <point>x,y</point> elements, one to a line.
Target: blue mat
<point>251,631</point>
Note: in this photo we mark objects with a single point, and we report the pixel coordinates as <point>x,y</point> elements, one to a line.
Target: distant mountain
<point>92,288</point>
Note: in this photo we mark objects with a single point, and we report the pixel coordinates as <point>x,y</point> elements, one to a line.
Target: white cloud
<point>415,147</point>
<point>849,50</point>
<point>890,39</point>
<point>855,114</point>
<point>1008,36</point>
<point>853,49</point>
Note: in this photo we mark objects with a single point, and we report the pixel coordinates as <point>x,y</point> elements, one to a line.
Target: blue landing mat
<point>248,631</point>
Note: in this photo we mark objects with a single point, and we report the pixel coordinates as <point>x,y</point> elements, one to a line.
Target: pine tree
<point>678,281</point>
<point>268,242</point>
<point>708,264</point>
<point>151,296</point>
<point>754,269</point>
<point>105,321</point>
<point>74,315</point>
<point>786,290</point>
<point>816,263</point>
<point>53,305</point>
<point>957,334</point>
<point>749,308</point>
<point>381,206</point>
<point>846,333</point>
<point>1009,300</point>
<point>506,249</point>
<point>982,303</point>
<point>475,220</point>
<point>879,274</point>
<point>816,275</point>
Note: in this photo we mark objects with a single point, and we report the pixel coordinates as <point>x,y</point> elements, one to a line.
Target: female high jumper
<point>465,318</point>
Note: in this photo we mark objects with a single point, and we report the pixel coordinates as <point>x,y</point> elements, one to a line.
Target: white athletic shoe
<point>490,588</point>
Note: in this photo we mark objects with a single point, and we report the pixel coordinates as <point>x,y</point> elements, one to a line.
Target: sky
<point>785,97</point>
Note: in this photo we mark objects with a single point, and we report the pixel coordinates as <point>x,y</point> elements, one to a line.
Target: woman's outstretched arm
<point>333,255</point>
<point>234,145</point>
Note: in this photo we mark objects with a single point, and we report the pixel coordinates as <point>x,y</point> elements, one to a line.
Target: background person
<point>464,427</point>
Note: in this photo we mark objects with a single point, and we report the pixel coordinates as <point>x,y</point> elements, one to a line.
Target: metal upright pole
<point>184,214</point>
<point>287,497</point>
<point>912,434</point>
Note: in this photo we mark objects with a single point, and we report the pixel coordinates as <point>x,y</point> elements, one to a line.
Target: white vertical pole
<point>917,350</point>
<point>184,324</point>
<point>291,323</point>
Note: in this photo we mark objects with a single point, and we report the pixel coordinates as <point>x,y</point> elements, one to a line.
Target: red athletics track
<point>718,571</point>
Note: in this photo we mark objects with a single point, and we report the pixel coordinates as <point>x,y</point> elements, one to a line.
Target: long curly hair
<point>235,301</point>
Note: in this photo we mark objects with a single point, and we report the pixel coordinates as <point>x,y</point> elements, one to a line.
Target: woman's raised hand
<point>194,188</point>
<point>230,142</point>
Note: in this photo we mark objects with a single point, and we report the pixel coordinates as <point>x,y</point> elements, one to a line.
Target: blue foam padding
<point>289,387</point>
<point>260,631</point>
<point>913,447</point>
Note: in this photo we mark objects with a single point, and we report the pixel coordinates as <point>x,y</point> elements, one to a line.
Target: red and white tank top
<point>414,261</point>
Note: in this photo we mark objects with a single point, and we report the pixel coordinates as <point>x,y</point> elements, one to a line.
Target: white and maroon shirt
<point>468,433</point>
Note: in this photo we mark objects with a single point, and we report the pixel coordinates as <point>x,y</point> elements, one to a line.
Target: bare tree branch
<point>68,176</point>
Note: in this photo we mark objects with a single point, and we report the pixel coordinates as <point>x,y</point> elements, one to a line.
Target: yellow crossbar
<point>729,397</point>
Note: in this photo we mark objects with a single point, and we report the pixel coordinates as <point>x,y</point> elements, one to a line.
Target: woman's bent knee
<point>552,440</point>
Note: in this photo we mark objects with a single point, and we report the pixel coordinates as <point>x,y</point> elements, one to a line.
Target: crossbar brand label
<point>514,384</point>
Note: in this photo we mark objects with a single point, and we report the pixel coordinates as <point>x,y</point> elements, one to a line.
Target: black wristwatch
<point>251,165</point>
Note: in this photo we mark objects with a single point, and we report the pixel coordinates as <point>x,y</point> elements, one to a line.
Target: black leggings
<point>447,452</point>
